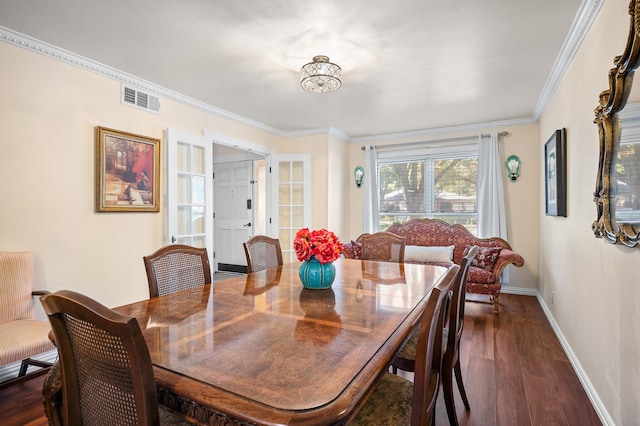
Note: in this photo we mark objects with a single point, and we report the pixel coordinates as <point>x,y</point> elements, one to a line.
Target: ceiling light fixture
<point>320,76</point>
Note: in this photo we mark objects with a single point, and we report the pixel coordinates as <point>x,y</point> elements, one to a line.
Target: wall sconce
<point>359,174</point>
<point>513,166</point>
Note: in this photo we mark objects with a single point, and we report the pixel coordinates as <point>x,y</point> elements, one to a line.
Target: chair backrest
<point>429,350</point>
<point>456,316</point>
<point>176,267</point>
<point>16,285</point>
<point>107,375</point>
<point>383,246</point>
<point>262,252</point>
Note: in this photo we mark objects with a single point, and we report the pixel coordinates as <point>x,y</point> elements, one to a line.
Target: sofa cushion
<point>486,258</point>
<point>428,254</point>
<point>357,249</point>
<point>480,275</point>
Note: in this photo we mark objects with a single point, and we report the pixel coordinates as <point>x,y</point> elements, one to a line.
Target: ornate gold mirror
<point>617,194</point>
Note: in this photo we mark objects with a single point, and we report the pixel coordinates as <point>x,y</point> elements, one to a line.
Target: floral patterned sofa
<point>484,274</point>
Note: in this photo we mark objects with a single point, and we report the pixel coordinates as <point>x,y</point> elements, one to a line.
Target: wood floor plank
<point>510,394</point>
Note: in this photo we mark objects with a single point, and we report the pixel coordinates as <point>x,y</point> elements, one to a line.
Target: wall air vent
<point>140,99</point>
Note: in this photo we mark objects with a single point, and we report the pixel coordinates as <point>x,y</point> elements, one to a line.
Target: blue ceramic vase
<point>315,275</point>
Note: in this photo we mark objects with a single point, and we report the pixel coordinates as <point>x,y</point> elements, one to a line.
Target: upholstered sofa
<point>435,241</point>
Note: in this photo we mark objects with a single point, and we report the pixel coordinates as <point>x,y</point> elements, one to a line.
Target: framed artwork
<point>127,172</point>
<point>555,172</point>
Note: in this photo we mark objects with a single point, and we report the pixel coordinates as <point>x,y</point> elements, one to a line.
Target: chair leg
<point>447,389</point>
<point>24,365</point>
<point>463,393</point>
<point>496,305</point>
<point>52,396</point>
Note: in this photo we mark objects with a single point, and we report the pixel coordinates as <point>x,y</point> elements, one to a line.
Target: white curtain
<point>370,222</point>
<point>492,220</point>
<point>492,217</point>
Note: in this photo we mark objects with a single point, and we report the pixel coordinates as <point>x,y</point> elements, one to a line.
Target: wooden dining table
<point>261,349</point>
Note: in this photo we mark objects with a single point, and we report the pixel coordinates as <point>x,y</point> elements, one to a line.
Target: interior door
<point>189,191</point>
<point>233,193</point>
<point>291,177</point>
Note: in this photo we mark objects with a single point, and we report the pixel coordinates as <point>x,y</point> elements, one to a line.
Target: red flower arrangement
<point>321,244</point>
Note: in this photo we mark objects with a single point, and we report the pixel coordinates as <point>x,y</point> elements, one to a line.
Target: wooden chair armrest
<point>40,292</point>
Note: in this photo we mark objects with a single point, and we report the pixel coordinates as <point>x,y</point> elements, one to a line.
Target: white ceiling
<point>407,65</point>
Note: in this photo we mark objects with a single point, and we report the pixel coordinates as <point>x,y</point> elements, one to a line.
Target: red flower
<point>321,244</point>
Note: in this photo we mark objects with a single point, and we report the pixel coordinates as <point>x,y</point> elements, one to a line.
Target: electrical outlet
<point>553,296</point>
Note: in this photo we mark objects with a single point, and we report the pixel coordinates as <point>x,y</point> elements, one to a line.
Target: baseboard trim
<point>519,290</point>
<point>601,410</point>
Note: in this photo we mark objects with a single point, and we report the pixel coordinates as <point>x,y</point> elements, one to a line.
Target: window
<point>440,184</point>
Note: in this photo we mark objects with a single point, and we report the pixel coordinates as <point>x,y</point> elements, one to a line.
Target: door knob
<point>247,224</point>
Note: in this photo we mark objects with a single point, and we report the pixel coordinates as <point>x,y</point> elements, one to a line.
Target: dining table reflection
<point>321,323</point>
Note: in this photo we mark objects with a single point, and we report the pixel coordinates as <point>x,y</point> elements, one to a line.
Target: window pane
<point>455,185</point>
<point>284,171</point>
<point>183,188</point>
<point>298,217</point>
<point>182,161</point>
<point>199,242</point>
<point>297,171</point>
<point>284,194</point>
<point>297,194</point>
<point>197,190</point>
<point>284,216</point>
<point>198,159</point>
<point>402,187</point>
<point>184,222</point>
<point>441,186</point>
<point>198,222</point>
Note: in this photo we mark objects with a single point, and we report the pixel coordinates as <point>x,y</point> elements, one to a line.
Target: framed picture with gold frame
<point>127,172</point>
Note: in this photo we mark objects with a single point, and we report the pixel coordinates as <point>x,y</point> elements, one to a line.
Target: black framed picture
<point>555,172</point>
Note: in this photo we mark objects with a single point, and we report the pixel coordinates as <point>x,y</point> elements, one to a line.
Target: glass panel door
<point>189,194</point>
<point>292,178</point>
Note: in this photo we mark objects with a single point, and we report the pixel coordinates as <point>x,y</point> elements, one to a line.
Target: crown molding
<point>581,24</point>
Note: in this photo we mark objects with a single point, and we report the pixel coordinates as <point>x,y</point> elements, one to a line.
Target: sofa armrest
<point>347,251</point>
<point>506,258</point>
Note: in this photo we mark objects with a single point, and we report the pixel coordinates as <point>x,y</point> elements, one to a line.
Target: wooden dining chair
<point>397,401</point>
<point>405,360</point>
<point>451,360</point>
<point>176,267</point>
<point>383,246</point>
<point>104,365</point>
<point>262,252</point>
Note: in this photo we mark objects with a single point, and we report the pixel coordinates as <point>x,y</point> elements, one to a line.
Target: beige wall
<point>521,197</point>
<point>339,179</point>
<point>596,286</point>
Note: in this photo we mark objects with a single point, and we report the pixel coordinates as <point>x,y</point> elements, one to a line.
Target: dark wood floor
<point>515,373</point>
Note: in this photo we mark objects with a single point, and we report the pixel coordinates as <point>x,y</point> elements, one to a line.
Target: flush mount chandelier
<point>320,76</point>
